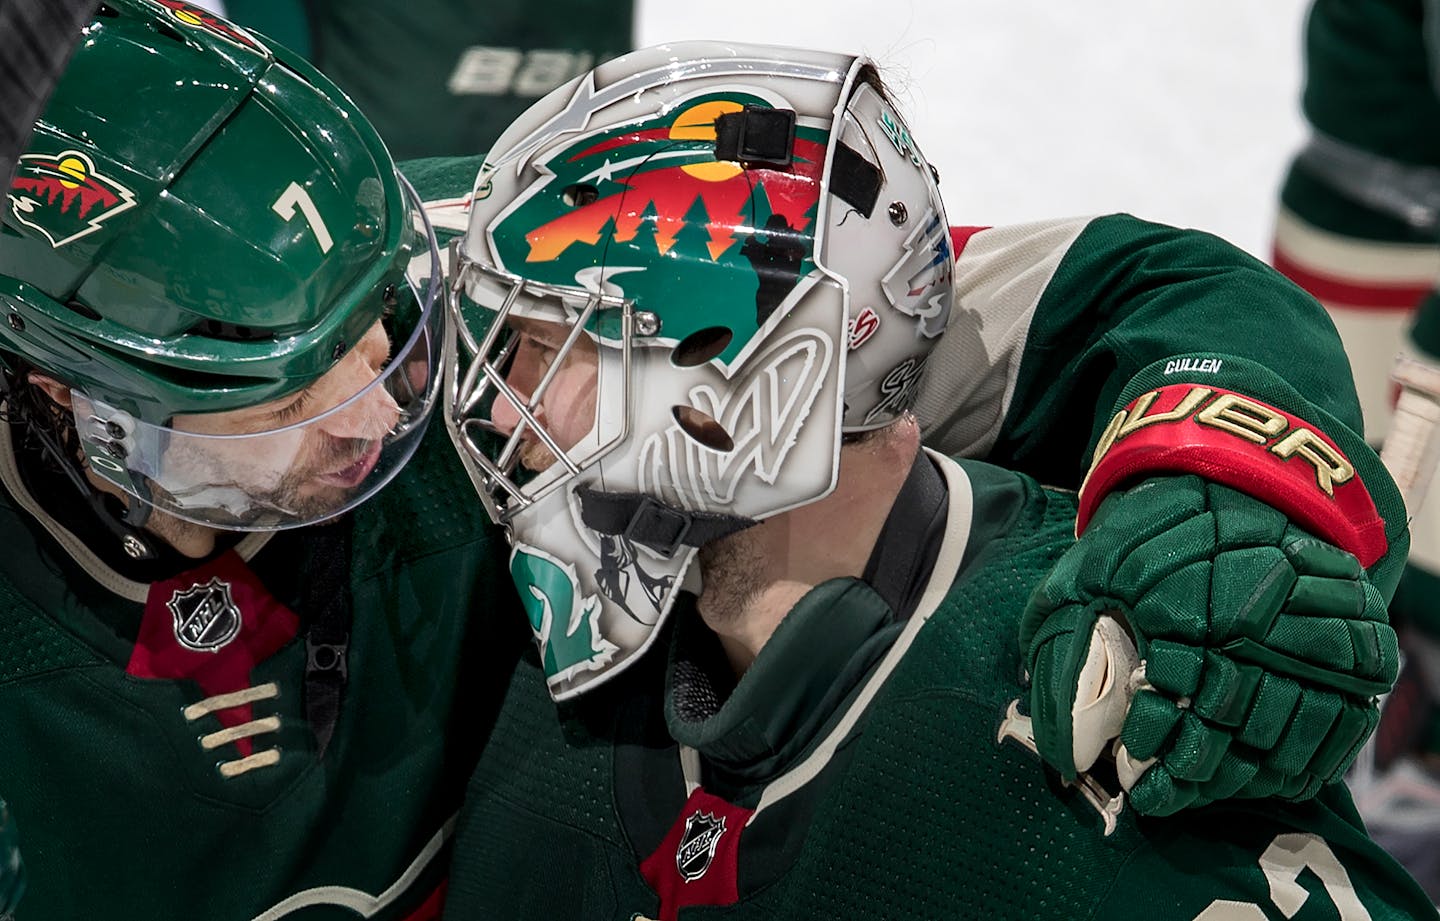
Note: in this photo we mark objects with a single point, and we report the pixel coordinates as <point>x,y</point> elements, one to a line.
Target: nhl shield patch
<point>698,861</point>
<point>205,616</point>
<point>701,837</point>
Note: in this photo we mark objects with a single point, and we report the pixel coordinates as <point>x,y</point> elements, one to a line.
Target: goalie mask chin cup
<point>686,274</point>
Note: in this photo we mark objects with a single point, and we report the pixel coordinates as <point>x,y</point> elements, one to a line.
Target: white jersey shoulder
<point>1000,276</point>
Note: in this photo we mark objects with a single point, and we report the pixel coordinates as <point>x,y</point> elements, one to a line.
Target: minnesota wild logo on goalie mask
<point>735,241</point>
<point>653,343</point>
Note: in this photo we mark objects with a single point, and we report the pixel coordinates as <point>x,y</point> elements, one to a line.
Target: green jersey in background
<point>442,76</point>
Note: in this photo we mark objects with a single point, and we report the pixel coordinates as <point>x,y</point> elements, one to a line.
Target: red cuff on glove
<point>1247,445</point>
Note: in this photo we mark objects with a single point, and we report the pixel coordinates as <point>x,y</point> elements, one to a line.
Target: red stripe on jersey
<point>959,236</point>
<point>698,862</point>
<point>212,625</point>
<point>1351,293</point>
<point>430,909</point>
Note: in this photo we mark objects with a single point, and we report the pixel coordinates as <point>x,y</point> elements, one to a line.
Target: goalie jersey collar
<point>751,731</point>
<point>746,748</point>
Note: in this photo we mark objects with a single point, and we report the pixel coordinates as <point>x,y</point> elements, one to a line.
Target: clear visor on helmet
<point>538,378</point>
<point>299,459</point>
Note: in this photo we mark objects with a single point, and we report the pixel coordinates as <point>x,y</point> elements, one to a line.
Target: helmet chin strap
<point>645,520</point>
<point>127,526</point>
<point>137,544</point>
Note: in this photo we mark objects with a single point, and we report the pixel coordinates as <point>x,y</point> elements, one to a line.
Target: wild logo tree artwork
<point>736,239</point>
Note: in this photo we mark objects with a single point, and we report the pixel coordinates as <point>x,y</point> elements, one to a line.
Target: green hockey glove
<point>1261,649</point>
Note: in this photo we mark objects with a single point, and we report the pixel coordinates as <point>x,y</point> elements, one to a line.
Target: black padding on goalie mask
<point>646,520</point>
<point>855,180</point>
<point>756,136</point>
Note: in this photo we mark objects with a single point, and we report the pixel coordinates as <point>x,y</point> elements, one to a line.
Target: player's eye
<point>295,409</point>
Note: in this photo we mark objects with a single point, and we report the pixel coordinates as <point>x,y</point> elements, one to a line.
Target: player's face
<point>567,407</point>
<point>326,460</point>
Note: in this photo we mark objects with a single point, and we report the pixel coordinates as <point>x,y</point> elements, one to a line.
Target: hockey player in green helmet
<point>415,558</point>
<point>803,664</point>
<point>222,364</point>
<point>229,669</point>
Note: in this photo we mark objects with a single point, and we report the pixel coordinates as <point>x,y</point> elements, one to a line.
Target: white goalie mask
<point>686,274</point>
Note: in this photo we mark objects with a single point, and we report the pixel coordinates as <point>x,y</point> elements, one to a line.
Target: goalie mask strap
<point>649,522</point>
<point>900,566</point>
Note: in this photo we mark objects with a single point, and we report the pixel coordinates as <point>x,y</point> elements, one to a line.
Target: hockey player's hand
<point>1261,649</point>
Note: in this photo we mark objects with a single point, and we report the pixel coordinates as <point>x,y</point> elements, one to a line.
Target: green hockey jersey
<point>1063,325</point>
<point>158,721</point>
<point>1359,221</point>
<point>158,755</point>
<point>169,789</point>
<point>875,761</point>
<point>1370,79</point>
<point>444,77</point>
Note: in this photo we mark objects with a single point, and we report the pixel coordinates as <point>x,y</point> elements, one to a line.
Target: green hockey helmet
<point>209,245</point>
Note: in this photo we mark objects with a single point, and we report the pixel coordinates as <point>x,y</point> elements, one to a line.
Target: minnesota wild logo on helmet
<point>735,240</point>
<point>63,196</point>
<point>188,14</point>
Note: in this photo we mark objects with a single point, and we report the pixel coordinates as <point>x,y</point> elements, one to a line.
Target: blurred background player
<point>1359,227</point>
<point>12,866</point>
<point>237,590</point>
<point>443,77</point>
